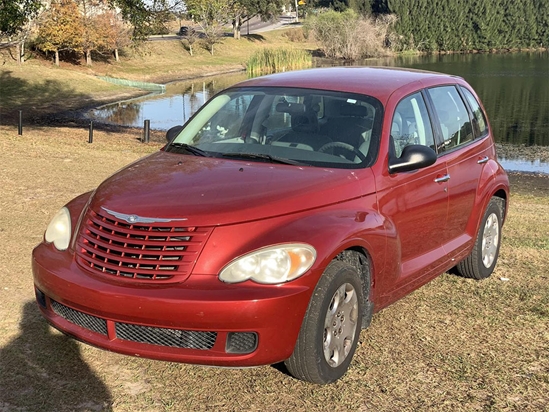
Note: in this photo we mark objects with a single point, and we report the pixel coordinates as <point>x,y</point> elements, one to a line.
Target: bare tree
<point>190,39</point>
<point>244,10</point>
<point>211,15</point>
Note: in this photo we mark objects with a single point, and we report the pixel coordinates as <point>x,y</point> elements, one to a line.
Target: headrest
<point>292,108</point>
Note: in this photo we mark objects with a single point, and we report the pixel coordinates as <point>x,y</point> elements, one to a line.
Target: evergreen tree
<point>450,25</point>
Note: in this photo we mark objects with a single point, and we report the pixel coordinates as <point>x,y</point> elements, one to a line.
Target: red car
<point>272,226</point>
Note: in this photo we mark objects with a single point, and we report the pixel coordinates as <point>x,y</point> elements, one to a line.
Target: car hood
<point>209,191</point>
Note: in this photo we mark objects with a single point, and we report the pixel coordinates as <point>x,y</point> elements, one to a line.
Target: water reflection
<point>524,165</point>
<point>176,106</point>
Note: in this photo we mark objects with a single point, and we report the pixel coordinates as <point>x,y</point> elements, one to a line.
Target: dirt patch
<point>529,184</point>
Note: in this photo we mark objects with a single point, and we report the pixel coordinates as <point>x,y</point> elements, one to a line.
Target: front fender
<point>353,224</point>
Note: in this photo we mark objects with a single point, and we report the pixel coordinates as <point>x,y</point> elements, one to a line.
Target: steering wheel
<point>345,146</point>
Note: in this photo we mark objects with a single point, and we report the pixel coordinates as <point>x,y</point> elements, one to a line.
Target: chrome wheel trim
<point>490,240</point>
<point>340,325</point>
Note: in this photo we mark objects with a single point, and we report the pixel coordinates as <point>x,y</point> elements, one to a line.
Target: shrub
<point>348,35</point>
<point>295,35</point>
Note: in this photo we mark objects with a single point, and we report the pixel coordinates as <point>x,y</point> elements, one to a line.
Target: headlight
<point>273,264</point>
<point>59,230</point>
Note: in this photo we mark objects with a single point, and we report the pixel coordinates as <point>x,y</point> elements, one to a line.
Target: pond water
<point>514,88</point>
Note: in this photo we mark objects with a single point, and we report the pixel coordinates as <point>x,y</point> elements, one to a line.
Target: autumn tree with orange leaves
<point>60,29</point>
<point>83,26</point>
<point>116,32</point>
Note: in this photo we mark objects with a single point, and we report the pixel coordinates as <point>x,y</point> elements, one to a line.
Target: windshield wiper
<point>260,156</point>
<point>177,147</point>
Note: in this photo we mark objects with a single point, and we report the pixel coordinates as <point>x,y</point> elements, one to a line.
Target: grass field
<point>453,345</point>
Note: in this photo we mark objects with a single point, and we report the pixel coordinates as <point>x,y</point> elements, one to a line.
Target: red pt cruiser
<point>272,226</point>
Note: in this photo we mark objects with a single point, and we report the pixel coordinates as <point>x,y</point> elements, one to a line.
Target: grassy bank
<point>454,345</point>
<point>38,87</point>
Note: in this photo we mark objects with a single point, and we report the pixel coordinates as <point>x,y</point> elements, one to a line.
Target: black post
<point>20,125</point>
<point>90,137</point>
<point>146,131</point>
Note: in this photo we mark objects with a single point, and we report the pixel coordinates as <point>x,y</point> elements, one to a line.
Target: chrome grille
<point>145,252</point>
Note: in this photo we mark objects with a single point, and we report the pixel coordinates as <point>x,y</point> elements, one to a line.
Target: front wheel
<point>331,328</point>
<point>481,262</point>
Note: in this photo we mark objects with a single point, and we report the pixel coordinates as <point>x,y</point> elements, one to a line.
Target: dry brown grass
<point>454,345</point>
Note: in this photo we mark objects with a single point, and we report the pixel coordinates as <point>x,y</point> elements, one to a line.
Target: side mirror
<point>413,157</point>
<point>173,132</point>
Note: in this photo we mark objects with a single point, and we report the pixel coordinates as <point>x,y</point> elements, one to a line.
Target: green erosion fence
<point>140,85</point>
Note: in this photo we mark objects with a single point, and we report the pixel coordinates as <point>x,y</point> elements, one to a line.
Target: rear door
<point>464,156</point>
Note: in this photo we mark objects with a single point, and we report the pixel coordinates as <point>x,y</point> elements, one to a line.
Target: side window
<point>411,124</point>
<point>480,125</point>
<point>454,120</point>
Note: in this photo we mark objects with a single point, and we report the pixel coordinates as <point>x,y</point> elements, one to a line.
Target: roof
<point>379,82</point>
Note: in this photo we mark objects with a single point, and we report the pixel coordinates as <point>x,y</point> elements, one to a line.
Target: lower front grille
<point>166,337</point>
<point>83,320</point>
<point>175,338</point>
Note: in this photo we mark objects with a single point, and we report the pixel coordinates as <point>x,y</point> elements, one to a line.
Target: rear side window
<point>480,126</point>
<point>454,121</point>
<point>411,124</point>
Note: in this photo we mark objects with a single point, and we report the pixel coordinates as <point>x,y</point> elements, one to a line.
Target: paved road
<point>254,26</point>
<point>258,26</point>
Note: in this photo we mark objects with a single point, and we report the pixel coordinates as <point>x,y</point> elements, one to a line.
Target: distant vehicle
<point>183,31</point>
<point>278,219</point>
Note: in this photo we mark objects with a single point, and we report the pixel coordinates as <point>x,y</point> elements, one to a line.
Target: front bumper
<point>201,321</point>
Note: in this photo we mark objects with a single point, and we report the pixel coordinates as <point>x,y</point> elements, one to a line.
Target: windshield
<point>285,125</point>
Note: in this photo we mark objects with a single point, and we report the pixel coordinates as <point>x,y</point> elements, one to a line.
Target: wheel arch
<point>503,195</point>
<point>359,258</point>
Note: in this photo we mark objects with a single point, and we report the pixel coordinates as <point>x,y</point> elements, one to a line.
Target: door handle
<point>483,160</point>
<point>441,179</point>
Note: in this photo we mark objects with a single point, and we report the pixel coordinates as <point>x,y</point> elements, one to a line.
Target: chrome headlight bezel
<point>58,231</point>
<point>270,265</point>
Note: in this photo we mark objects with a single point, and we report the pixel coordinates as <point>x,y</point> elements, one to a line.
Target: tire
<point>331,327</point>
<point>483,258</point>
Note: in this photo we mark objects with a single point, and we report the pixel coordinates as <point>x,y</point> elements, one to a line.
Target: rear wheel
<point>331,328</point>
<point>481,262</point>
